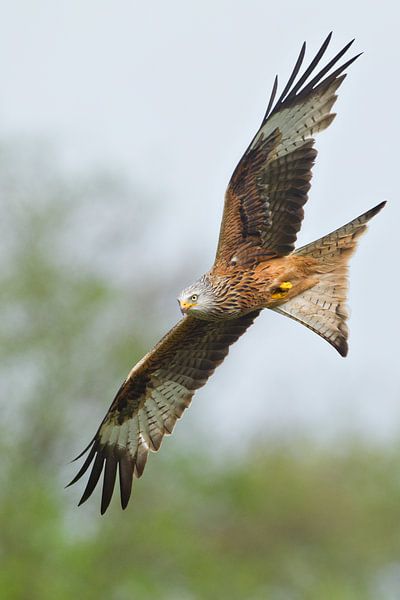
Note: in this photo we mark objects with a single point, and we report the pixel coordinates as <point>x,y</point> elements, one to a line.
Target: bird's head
<point>198,299</point>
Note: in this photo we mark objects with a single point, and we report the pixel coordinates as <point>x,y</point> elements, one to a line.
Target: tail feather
<point>342,239</point>
<point>322,308</point>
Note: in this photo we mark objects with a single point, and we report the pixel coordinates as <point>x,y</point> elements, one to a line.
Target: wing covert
<point>152,398</point>
<point>264,201</point>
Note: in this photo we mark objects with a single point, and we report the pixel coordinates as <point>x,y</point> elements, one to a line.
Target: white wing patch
<point>156,418</point>
<point>301,121</point>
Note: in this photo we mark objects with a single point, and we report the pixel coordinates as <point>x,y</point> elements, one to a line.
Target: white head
<point>198,299</point>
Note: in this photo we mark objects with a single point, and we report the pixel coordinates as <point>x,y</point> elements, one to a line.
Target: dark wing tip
<point>85,465</point>
<point>342,347</point>
<point>271,98</point>
<point>293,90</point>
<point>110,473</point>
<point>84,450</point>
<point>112,459</point>
<point>374,211</point>
<point>125,478</point>
<point>94,475</point>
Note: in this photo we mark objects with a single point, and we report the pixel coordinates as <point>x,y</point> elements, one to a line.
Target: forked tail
<point>322,308</point>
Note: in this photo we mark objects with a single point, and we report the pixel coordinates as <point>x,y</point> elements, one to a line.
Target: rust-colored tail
<point>322,308</point>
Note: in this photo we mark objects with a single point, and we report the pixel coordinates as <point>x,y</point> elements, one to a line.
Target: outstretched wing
<point>264,201</point>
<point>152,398</point>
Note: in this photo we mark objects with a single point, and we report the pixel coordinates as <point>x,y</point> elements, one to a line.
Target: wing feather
<point>264,201</point>
<point>125,472</point>
<point>152,398</point>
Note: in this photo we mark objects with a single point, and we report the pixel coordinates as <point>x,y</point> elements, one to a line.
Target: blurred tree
<point>287,522</point>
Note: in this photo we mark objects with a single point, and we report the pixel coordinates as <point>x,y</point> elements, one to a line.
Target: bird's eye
<point>194,298</point>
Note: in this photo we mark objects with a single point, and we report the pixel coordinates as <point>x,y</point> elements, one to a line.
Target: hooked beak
<point>184,306</point>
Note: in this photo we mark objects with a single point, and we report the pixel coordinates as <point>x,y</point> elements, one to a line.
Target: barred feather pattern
<point>263,208</point>
<point>286,183</point>
<point>323,307</point>
<point>303,119</point>
<point>263,213</point>
<point>152,398</point>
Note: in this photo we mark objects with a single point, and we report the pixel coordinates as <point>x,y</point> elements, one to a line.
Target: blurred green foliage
<point>277,525</point>
<point>283,522</point>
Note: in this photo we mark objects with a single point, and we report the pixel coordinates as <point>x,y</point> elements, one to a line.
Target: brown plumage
<point>153,397</point>
<point>255,267</point>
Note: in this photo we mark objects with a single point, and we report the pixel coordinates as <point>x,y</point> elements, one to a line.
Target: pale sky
<point>169,94</point>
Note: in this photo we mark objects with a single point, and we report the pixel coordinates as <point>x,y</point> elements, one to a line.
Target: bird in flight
<point>256,267</point>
